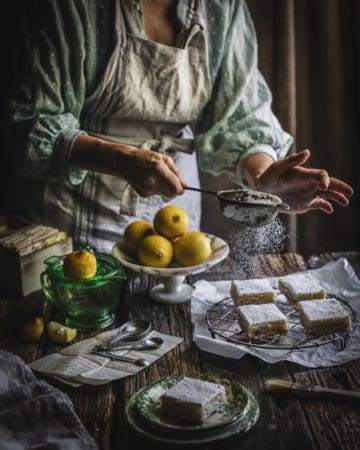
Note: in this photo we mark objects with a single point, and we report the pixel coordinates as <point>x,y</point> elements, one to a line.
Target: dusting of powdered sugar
<point>301,284</point>
<point>325,309</point>
<point>248,241</point>
<point>250,287</point>
<point>261,314</point>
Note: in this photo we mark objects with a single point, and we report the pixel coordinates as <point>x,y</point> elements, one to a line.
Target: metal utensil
<point>138,362</point>
<point>249,208</point>
<point>129,331</point>
<point>149,343</point>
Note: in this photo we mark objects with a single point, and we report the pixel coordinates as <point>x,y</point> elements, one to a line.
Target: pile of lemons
<point>166,240</point>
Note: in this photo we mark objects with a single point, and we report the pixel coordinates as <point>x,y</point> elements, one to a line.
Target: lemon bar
<point>192,401</point>
<point>301,286</point>
<point>246,292</point>
<point>262,320</point>
<point>323,316</point>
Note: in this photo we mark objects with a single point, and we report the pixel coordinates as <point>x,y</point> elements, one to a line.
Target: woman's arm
<point>238,121</point>
<point>148,172</point>
<point>47,102</point>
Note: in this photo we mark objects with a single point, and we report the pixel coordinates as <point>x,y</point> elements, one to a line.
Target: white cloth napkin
<point>337,277</point>
<point>34,414</point>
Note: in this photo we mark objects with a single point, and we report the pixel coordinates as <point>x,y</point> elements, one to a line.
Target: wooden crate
<point>22,255</point>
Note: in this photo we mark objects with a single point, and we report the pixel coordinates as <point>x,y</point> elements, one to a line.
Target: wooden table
<point>284,423</point>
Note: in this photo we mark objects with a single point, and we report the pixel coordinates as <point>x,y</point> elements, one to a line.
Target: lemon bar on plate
<point>256,291</point>
<point>192,400</point>
<point>300,286</point>
<point>262,320</point>
<point>323,316</point>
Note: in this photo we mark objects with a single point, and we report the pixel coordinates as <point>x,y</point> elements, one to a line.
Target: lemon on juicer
<point>80,264</point>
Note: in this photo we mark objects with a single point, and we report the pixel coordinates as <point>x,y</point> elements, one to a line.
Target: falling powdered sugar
<point>247,241</point>
<point>249,215</point>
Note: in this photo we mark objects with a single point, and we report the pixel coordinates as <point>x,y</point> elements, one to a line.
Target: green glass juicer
<point>85,303</point>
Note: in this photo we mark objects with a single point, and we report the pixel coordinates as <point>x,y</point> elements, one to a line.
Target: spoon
<point>129,331</point>
<point>138,362</point>
<point>149,343</point>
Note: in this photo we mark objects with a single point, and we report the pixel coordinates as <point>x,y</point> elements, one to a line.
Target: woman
<point>102,117</point>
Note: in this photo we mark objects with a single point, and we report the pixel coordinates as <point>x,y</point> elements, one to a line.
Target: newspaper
<point>77,365</point>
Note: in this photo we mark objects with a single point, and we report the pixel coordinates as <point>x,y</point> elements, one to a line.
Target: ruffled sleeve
<point>238,120</point>
<point>46,107</point>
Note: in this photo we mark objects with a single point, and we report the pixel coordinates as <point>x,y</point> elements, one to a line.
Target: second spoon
<point>149,343</point>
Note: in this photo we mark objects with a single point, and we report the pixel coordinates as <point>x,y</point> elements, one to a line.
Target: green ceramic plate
<point>145,420</point>
<point>148,404</point>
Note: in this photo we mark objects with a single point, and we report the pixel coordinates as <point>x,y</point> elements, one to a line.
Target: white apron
<point>147,96</point>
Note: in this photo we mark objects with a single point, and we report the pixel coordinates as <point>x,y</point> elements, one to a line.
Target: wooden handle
<point>322,392</point>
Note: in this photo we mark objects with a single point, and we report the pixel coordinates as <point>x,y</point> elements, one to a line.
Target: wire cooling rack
<point>223,322</point>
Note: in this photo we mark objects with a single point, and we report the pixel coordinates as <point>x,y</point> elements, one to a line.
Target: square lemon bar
<point>323,316</point>
<point>256,291</point>
<point>192,400</point>
<point>299,287</point>
<point>262,320</point>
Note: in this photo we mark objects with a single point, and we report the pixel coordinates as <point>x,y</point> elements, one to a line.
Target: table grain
<point>284,422</point>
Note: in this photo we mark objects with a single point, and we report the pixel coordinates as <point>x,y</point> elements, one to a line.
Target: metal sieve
<point>245,207</point>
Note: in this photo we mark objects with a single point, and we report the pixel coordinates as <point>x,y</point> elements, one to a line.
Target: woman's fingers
<point>296,159</point>
<point>170,184</point>
<point>304,188</point>
<point>334,196</point>
<point>323,205</point>
<point>175,170</point>
<point>317,176</point>
<point>153,173</point>
<point>340,186</point>
<point>164,177</point>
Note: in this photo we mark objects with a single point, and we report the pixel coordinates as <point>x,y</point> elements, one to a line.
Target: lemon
<point>32,330</point>
<point>134,233</point>
<point>59,333</point>
<point>80,264</point>
<point>171,221</point>
<point>192,248</point>
<point>155,251</point>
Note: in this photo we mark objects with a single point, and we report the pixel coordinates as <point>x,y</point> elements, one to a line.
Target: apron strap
<point>119,24</point>
<point>198,17</point>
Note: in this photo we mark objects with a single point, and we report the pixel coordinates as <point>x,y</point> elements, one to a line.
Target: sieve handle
<point>205,191</point>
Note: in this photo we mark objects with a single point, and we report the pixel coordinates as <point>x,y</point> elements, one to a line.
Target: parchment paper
<point>337,277</point>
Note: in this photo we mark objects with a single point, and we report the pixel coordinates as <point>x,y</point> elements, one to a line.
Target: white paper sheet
<point>76,365</point>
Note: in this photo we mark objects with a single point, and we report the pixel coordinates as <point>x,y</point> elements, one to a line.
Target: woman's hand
<point>152,173</point>
<point>301,188</point>
<point>148,172</point>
